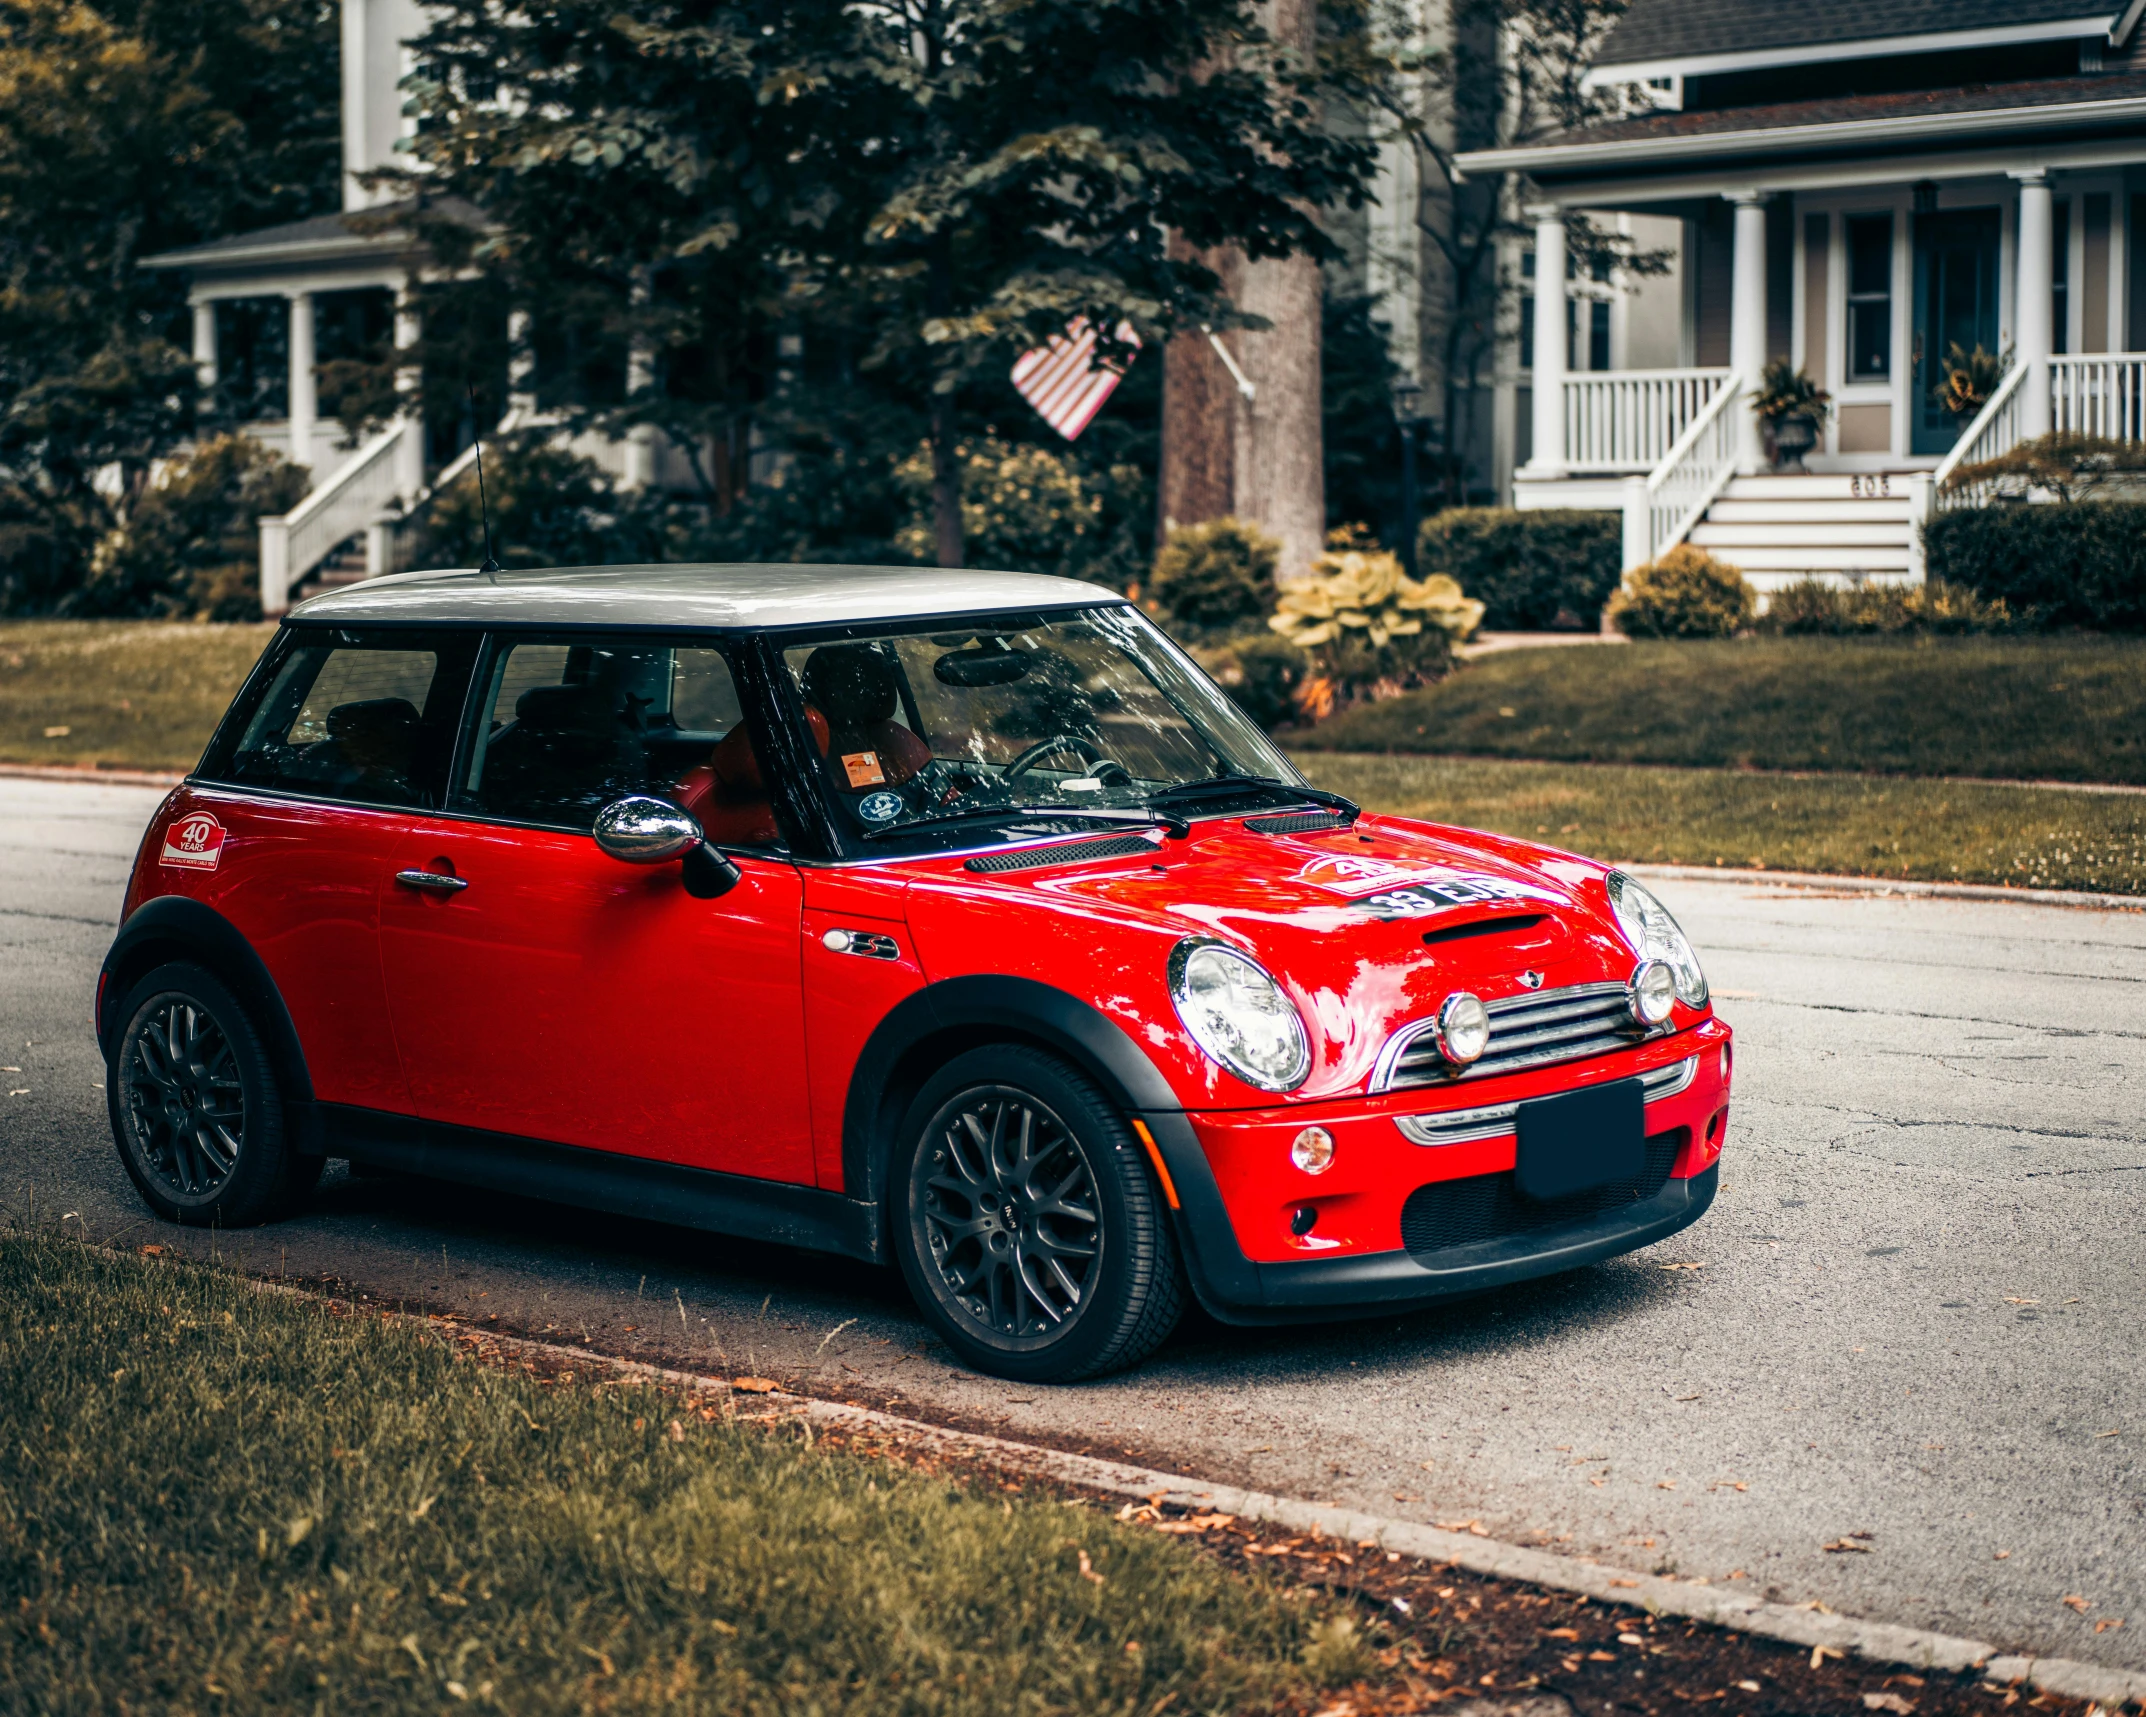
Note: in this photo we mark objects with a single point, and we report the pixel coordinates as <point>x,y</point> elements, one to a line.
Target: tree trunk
<point>1280,463</point>
<point>945,481</point>
<point>1197,480</point>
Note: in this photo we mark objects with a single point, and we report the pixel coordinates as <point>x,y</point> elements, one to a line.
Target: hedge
<point>1532,571</point>
<point>2077,565</point>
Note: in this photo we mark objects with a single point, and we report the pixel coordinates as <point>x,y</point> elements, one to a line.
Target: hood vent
<point>1503,924</point>
<point>1066,852</point>
<point>1294,822</point>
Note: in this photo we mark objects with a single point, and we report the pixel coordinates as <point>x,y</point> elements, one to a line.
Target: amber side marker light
<point>1162,1173</point>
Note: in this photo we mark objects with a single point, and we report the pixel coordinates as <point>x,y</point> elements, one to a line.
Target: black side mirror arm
<point>707,874</point>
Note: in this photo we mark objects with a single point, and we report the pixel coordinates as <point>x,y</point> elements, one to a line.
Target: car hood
<point>1369,929</point>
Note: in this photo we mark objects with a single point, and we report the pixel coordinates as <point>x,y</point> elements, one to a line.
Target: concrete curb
<point>1799,1625</point>
<point>91,777</point>
<point>1889,885</point>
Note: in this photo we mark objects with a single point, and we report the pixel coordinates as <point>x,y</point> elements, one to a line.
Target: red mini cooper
<point>954,919</point>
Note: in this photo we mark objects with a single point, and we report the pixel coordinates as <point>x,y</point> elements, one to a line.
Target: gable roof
<point>318,239</point>
<point>1663,31</point>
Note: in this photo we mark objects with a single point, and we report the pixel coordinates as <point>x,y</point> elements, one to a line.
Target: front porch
<point>1868,273</point>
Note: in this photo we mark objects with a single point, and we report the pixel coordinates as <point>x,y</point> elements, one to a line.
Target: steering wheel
<point>1103,768</point>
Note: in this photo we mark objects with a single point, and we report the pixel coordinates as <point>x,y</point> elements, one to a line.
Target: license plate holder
<point>1582,1140</point>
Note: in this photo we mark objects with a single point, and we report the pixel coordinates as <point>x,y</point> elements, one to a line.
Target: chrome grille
<point>1525,1031</point>
<point>1495,1120</point>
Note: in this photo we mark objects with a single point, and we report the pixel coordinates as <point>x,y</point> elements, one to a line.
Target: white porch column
<point>205,344</point>
<point>410,460</point>
<point>1551,343</point>
<point>640,377</point>
<point>1747,318</point>
<point>521,365</point>
<point>2035,315</point>
<point>304,400</point>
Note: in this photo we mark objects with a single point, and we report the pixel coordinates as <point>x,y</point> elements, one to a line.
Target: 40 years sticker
<point>194,842</point>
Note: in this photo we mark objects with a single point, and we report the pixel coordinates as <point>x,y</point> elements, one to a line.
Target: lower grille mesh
<point>1490,1206</point>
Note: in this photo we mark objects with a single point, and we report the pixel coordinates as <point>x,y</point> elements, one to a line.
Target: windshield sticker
<point>880,807</point>
<point>863,768</point>
<point>194,842</point>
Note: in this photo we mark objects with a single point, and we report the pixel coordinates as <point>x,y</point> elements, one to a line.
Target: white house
<point>1858,186</point>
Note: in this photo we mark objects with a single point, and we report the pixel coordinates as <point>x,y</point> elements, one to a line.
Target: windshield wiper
<point>1174,826</point>
<point>1235,781</point>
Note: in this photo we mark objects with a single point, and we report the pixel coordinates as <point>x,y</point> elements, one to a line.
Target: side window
<point>569,724</point>
<point>368,717</point>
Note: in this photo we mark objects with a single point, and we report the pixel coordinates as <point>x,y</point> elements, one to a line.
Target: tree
<point>924,187</point>
<point>1485,74</point>
<point>136,127</point>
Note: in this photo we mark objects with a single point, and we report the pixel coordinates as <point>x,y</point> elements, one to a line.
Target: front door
<point>560,994</point>
<point>1956,257</point>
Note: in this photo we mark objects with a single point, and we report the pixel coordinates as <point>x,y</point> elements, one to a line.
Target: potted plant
<point>1968,379</point>
<point>1792,406</point>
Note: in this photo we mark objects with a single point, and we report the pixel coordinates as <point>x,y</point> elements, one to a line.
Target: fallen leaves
<point>1562,1633</point>
<point>1858,1541</point>
<point>2073,1601</point>
<point>1087,1570</point>
<point>1699,1264</point>
<point>2108,1624</point>
<point>2002,1556</point>
<point>2015,1300</point>
<point>1474,1526</point>
<point>1888,1702</point>
<point>755,1385</point>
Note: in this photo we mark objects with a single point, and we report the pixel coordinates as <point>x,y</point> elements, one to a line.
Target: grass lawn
<point>1934,831</point>
<point>2068,709</point>
<point>215,1499</point>
<point>138,694</point>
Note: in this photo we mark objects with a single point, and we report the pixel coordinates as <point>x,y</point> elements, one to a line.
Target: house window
<point>1870,298</point>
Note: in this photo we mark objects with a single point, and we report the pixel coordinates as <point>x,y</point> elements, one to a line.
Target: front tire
<point>1026,1224</point>
<point>196,1109</point>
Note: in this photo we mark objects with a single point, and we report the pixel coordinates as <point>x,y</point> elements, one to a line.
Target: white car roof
<point>728,598</point>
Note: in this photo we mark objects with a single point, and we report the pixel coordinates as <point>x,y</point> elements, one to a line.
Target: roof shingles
<point>1655,30</point>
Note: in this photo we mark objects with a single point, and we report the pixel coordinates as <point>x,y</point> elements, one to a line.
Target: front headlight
<point>1654,935</point>
<point>1238,1015</point>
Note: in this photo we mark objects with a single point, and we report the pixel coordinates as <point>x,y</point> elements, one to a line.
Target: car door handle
<point>431,881</point>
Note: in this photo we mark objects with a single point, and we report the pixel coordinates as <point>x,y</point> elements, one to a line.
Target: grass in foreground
<point>127,693</point>
<point>1934,831</point>
<point>2024,708</point>
<point>218,1499</point>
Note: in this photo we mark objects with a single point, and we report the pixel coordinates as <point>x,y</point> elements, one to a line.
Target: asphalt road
<point>1915,1314</point>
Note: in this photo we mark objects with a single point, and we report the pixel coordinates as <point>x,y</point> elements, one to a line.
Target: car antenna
<point>490,568</point>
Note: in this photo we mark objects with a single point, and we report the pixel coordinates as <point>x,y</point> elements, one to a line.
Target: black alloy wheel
<point>195,1107</point>
<point>1029,1228</point>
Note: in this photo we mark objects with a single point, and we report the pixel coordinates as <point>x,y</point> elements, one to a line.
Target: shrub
<point>2081,565</point>
<point>1368,628</point>
<point>1811,607</point>
<point>1685,594</point>
<point>2070,466</point>
<point>190,544</point>
<point>1023,509</point>
<point>1216,573</point>
<point>550,507</point>
<point>1534,571</point>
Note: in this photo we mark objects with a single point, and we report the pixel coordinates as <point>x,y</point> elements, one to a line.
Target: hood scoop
<point>1295,822</point>
<point>1497,924</point>
<point>1065,852</point>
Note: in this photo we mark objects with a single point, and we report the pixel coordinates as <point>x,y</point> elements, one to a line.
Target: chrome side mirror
<point>640,829</point>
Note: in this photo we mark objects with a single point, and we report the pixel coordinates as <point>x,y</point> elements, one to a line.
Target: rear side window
<point>569,724</point>
<point>362,717</point>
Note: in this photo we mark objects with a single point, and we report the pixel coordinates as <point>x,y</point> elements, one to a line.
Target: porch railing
<point>1662,508</point>
<point>1995,430</point>
<point>358,493</point>
<point>2099,393</point>
<point>1628,420</point>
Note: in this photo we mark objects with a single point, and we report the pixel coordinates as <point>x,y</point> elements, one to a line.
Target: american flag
<point>1062,380</point>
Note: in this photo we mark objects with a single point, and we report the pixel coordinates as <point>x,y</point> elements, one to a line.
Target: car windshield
<point>1089,715</point>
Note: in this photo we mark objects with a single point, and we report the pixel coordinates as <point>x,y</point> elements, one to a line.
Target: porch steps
<point>345,565</point>
<point>1782,529</point>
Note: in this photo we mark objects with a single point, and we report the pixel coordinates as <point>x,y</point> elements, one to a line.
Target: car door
<point>543,989</point>
<point>309,791</point>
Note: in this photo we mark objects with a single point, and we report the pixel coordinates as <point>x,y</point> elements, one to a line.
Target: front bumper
<point>1236,1192</point>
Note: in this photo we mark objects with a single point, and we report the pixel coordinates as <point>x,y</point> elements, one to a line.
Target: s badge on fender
<point>194,842</point>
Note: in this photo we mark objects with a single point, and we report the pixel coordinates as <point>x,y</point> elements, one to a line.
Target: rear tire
<point>196,1108</point>
<point>1026,1223</point>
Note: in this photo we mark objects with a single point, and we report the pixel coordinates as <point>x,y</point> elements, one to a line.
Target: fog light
<point>1312,1150</point>
<point>1652,992</point>
<point>1302,1219</point>
<point>1463,1029</point>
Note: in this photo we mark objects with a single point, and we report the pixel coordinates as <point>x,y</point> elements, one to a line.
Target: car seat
<point>568,754</point>
<point>369,748</point>
<point>727,795</point>
<point>854,687</point>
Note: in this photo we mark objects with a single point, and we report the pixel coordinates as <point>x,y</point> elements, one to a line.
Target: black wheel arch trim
<point>173,927</point>
<point>941,1020</point>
